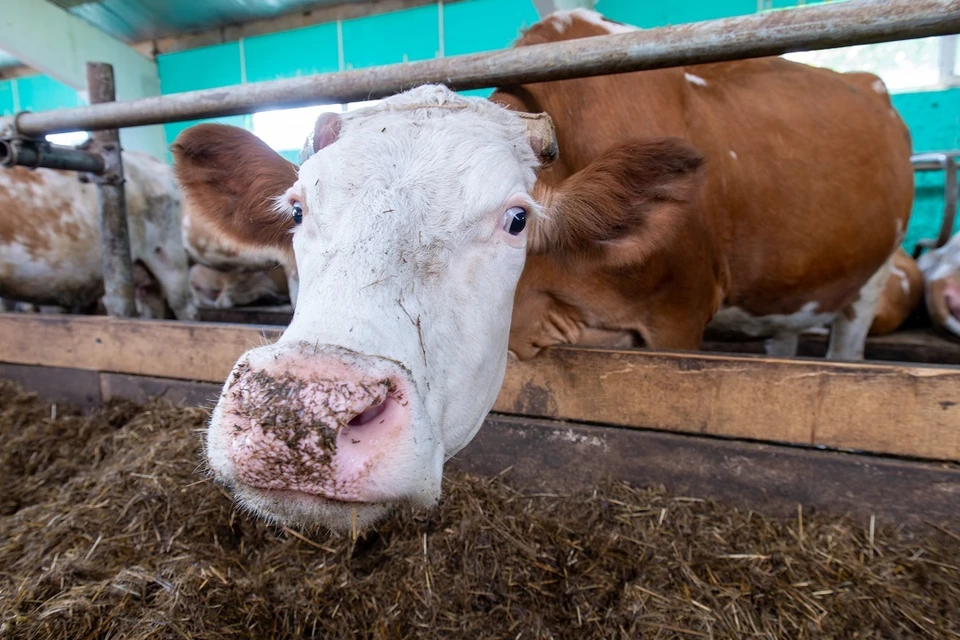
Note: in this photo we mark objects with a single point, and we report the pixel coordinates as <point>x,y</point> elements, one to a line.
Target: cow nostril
<point>369,415</point>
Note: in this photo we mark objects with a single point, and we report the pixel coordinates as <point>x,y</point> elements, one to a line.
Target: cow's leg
<point>848,333</point>
<point>782,345</point>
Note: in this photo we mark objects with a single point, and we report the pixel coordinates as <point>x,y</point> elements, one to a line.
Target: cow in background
<point>223,290</point>
<point>901,296</point>
<point>208,246</point>
<point>783,215</point>
<point>941,270</point>
<point>50,246</point>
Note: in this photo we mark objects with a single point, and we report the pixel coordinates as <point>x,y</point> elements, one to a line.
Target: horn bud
<point>542,137</point>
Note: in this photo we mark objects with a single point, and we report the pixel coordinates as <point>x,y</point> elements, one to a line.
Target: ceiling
<point>135,21</point>
<point>138,20</point>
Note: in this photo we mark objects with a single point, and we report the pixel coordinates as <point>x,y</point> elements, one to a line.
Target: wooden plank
<point>143,388</point>
<point>167,349</point>
<point>913,345</point>
<point>910,410</point>
<point>57,385</point>
<point>561,457</point>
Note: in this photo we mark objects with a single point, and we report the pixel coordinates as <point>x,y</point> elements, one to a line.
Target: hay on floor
<point>108,530</point>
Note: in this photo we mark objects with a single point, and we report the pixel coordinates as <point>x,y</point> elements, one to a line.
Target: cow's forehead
<point>430,120</point>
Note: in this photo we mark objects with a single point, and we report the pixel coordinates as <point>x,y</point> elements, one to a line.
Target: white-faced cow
<point>802,199</point>
<point>941,270</point>
<point>50,248</point>
<point>412,220</point>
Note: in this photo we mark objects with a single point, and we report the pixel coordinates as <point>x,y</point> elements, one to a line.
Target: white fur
<point>694,79</point>
<point>736,320</point>
<point>904,279</point>
<point>848,336</point>
<point>942,262</point>
<point>879,87</point>
<point>400,239</point>
<point>592,17</point>
<point>733,154</point>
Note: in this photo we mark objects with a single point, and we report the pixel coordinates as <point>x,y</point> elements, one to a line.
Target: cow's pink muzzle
<point>318,422</point>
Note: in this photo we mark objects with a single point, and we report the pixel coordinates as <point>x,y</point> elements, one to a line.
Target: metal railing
<point>945,161</point>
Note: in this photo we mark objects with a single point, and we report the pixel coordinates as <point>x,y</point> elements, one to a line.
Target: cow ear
<point>231,179</point>
<point>631,199</point>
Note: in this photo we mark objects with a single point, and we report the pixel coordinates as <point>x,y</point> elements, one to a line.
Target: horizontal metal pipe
<point>771,33</point>
<point>42,154</point>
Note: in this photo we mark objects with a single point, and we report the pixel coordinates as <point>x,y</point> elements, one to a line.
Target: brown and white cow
<point>941,270</point>
<point>901,296</point>
<point>50,248</point>
<point>412,221</point>
<point>223,290</point>
<point>210,248</point>
<point>806,191</point>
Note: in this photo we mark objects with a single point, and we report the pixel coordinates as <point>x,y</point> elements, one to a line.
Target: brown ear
<point>631,198</point>
<point>230,178</point>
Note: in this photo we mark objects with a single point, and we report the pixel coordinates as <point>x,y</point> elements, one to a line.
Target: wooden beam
<point>909,410</point>
<point>562,457</point>
<point>60,44</point>
<point>320,14</point>
<point>17,71</point>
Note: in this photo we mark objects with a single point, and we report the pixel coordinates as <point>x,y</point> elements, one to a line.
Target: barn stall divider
<point>866,438</point>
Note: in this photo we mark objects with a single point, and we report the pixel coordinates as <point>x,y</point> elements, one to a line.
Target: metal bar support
<point>946,162</point>
<point>822,26</point>
<point>117,265</point>
<point>35,154</point>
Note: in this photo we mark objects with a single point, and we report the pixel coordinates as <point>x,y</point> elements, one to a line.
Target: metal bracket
<point>34,154</point>
<point>946,162</point>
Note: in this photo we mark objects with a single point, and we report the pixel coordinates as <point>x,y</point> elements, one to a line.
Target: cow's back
<point>48,225</point>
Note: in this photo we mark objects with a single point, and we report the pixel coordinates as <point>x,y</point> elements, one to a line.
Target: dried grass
<point>108,531</point>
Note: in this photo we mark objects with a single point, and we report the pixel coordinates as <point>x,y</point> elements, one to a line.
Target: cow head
<point>408,227</point>
<point>941,271</point>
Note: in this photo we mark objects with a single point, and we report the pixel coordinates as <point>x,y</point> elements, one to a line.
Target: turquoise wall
<point>35,93</point>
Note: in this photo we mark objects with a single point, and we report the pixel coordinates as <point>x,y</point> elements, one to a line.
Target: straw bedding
<point>109,530</point>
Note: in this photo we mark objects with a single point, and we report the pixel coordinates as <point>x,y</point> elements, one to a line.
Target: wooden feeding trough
<point>866,438</point>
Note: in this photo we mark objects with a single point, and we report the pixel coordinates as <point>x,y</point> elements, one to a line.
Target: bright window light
<point>286,129</point>
<point>353,106</point>
<point>910,64</point>
<point>70,139</point>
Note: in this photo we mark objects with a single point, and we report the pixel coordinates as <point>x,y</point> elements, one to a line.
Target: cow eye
<point>297,212</point>
<point>514,220</point>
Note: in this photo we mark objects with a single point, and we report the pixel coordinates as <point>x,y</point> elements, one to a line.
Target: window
<point>286,129</point>
<point>70,139</point>
<point>908,65</point>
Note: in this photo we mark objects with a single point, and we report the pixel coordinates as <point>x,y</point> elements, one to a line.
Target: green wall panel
<point>292,53</point>
<point>934,121</point>
<point>7,107</point>
<point>648,14</point>
<point>389,38</point>
<point>484,25</point>
<point>204,68</point>
<point>40,93</point>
